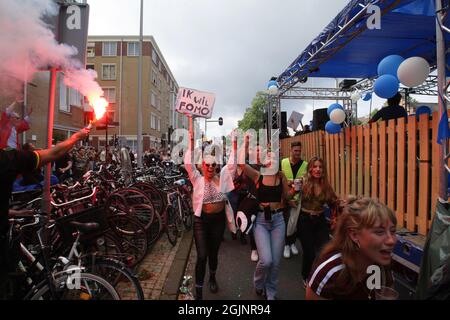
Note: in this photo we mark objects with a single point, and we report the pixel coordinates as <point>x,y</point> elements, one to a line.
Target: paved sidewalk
<point>161,270</point>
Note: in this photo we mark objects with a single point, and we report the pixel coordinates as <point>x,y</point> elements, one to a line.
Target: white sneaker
<point>287,252</point>
<point>254,256</point>
<point>294,249</point>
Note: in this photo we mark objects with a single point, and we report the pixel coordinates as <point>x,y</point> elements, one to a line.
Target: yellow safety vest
<point>287,170</point>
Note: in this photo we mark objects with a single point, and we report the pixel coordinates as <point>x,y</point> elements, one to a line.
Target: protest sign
<point>294,120</point>
<point>195,103</point>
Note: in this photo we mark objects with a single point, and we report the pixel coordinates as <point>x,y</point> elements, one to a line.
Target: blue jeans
<point>269,237</point>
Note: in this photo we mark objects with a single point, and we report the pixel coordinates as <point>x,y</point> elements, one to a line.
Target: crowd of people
<point>273,209</point>
<point>296,201</point>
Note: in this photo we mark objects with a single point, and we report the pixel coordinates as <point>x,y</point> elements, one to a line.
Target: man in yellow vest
<point>293,168</point>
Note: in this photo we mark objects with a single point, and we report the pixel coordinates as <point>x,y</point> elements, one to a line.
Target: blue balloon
<point>334,106</point>
<point>332,128</point>
<point>386,86</point>
<point>367,96</point>
<point>423,110</point>
<point>272,83</point>
<point>389,65</point>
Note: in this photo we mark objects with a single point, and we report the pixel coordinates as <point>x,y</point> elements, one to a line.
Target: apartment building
<point>69,114</point>
<point>116,59</point>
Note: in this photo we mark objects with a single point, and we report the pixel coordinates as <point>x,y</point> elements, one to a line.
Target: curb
<point>176,272</point>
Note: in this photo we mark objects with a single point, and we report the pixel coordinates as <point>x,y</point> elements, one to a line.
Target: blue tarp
<point>408,28</point>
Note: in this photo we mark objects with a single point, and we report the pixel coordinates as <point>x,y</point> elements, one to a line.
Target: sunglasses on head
<point>213,165</point>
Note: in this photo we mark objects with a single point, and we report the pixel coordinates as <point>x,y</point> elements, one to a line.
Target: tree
<point>373,113</point>
<point>254,115</point>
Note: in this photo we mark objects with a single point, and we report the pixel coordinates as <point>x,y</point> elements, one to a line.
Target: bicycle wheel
<point>132,236</point>
<point>155,195</point>
<point>83,286</point>
<point>154,232</point>
<point>187,212</point>
<point>116,273</point>
<point>171,225</point>
<point>144,213</point>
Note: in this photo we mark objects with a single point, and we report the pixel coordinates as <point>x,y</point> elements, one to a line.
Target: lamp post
<point>139,108</point>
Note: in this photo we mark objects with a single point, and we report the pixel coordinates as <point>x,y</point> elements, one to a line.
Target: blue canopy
<point>408,28</point>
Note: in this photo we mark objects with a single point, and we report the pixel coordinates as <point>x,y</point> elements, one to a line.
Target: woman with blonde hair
<point>313,228</point>
<point>364,237</point>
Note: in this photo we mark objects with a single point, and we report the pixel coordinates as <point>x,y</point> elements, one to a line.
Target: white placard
<point>294,120</point>
<point>195,103</point>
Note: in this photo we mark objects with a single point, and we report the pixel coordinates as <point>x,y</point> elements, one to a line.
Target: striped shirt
<point>325,280</point>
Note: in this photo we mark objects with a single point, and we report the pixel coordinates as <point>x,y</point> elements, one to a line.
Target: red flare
<point>99,104</point>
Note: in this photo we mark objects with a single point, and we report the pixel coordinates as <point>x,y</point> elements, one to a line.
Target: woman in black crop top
<point>272,189</point>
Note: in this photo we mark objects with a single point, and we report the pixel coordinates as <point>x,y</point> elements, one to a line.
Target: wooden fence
<point>395,161</point>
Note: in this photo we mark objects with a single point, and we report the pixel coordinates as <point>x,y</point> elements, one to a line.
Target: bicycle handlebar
<point>58,205</point>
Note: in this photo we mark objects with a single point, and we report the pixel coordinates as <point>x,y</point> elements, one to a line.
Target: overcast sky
<point>228,47</point>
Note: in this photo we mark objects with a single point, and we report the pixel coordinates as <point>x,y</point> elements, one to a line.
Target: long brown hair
<point>358,213</point>
<point>310,182</point>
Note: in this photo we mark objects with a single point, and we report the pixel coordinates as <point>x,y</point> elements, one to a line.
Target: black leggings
<point>208,234</point>
<point>314,233</point>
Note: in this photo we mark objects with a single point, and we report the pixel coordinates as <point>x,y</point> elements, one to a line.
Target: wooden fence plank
<point>322,144</point>
<point>391,186</point>
<point>342,165</point>
<point>424,174</point>
<point>360,189</point>
<point>435,170</point>
<point>411,204</point>
<point>337,171</point>
<point>367,161</point>
<point>332,163</point>
<point>382,164</point>
<point>327,153</point>
<point>353,164</point>
<point>401,169</point>
<point>374,162</point>
<point>347,161</point>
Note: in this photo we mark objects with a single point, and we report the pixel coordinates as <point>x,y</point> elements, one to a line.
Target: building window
<point>154,57</point>
<point>158,104</point>
<point>154,77</point>
<point>153,121</point>
<point>110,94</point>
<point>109,49</point>
<point>133,49</point>
<point>63,104</point>
<point>75,98</point>
<point>109,71</point>
<point>90,66</point>
<point>159,123</point>
<point>152,99</point>
<point>111,116</point>
<point>90,52</point>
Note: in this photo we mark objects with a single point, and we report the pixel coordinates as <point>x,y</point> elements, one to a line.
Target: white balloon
<point>413,71</point>
<point>355,96</point>
<point>337,116</point>
<point>273,90</point>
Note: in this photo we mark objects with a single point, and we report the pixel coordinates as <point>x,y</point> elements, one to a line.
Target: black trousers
<point>208,234</point>
<point>289,240</point>
<point>314,233</point>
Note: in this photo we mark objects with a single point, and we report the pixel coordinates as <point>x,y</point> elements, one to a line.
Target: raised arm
<point>49,155</point>
<point>189,164</point>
